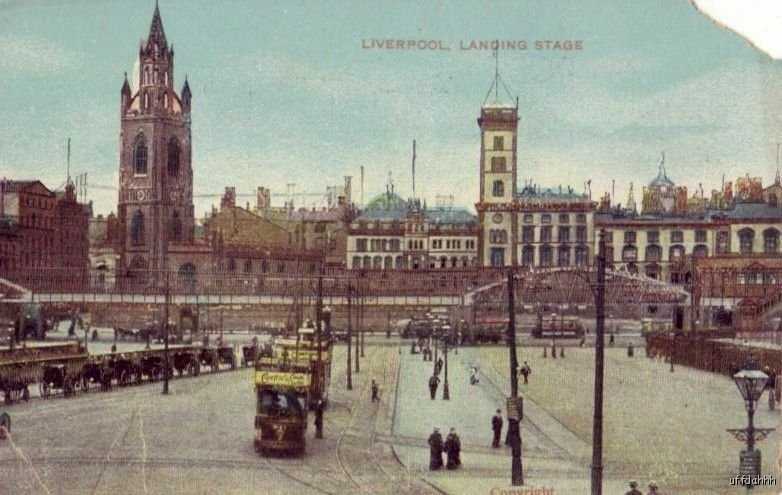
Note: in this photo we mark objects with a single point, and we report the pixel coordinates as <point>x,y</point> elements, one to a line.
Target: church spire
<point>156,34</point>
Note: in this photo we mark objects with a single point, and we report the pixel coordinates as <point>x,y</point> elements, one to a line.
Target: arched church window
<point>165,100</point>
<point>146,75</point>
<point>137,228</point>
<point>498,188</point>
<point>155,74</point>
<point>173,157</point>
<point>140,156</point>
<point>176,227</point>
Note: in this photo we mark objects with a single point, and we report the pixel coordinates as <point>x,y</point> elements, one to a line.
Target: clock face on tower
<point>140,195</point>
<point>174,195</point>
<point>497,218</point>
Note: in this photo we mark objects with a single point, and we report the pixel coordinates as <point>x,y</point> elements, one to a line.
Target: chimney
<point>263,198</point>
<point>229,198</point>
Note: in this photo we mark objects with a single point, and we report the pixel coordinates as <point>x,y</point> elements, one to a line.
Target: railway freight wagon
<point>484,331</point>
<point>558,326</point>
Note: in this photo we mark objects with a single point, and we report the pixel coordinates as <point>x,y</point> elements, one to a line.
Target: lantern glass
<point>750,383</point>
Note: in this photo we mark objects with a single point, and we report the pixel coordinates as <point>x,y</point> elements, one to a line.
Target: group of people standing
<point>452,448</point>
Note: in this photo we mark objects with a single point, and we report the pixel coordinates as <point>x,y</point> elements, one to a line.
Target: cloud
<point>19,55</point>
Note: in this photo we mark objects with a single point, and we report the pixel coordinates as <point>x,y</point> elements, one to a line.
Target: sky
<point>284,92</point>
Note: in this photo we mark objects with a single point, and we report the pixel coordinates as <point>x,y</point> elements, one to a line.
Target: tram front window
<point>279,404</point>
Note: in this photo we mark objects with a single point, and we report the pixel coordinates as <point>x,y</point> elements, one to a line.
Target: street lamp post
<point>750,382</point>
<point>361,315</point>
<point>673,348</point>
<point>597,416</point>
<point>320,312</point>
<point>435,350</point>
<point>358,325</point>
<point>514,430</point>
<point>446,391</point>
<point>350,331</point>
<point>167,297</point>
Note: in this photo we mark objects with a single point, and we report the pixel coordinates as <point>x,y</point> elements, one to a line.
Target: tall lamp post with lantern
<point>750,382</point>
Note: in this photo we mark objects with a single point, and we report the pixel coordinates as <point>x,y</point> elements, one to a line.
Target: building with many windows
<point>43,230</point>
<point>394,234</point>
<point>555,227</point>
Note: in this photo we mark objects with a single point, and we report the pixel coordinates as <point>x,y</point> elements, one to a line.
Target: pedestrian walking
<point>453,448</point>
<point>634,489</point>
<point>375,390</point>
<point>611,339</point>
<point>653,488</point>
<point>439,365</point>
<point>319,419</point>
<point>434,381</point>
<point>474,375</point>
<point>496,427</point>
<point>435,450</point>
<point>525,371</point>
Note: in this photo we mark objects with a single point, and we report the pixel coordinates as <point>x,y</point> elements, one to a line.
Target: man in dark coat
<point>634,489</point>
<point>375,390</point>
<point>434,381</point>
<point>435,450</point>
<point>496,427</point>
<point>319,419</point>
<point>525,371</point>
<point>452,449</point>
<point>439,365</point>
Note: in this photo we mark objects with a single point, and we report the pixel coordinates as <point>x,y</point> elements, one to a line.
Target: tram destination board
<point>283,379</point>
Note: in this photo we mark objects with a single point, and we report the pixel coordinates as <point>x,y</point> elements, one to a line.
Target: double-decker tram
<point>304,350</point>
<point>282,388</point>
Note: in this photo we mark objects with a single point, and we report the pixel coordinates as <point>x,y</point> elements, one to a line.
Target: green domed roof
<point>386,201</point>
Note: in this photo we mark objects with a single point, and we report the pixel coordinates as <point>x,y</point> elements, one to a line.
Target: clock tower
<point>497,212</point>
<point>155,206</point>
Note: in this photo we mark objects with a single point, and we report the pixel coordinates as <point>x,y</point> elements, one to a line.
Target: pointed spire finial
<point>156,32</point>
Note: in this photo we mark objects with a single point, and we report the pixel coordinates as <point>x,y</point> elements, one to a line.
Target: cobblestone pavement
<point>198,440</point>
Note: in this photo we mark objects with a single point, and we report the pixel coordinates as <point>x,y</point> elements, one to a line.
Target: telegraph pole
<point>358,325</point>
<point>514,431</point>
<point>350,379</point>
<point>597,426</point>
<point>167,297</point>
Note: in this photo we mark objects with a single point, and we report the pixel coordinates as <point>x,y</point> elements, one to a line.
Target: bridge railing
<point>356,283</point>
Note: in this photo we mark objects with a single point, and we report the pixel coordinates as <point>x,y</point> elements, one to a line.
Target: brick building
<point>155,232</point>
<point>43,232</point>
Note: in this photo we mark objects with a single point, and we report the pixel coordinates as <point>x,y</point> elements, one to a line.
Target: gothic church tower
<point>156,177</point>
